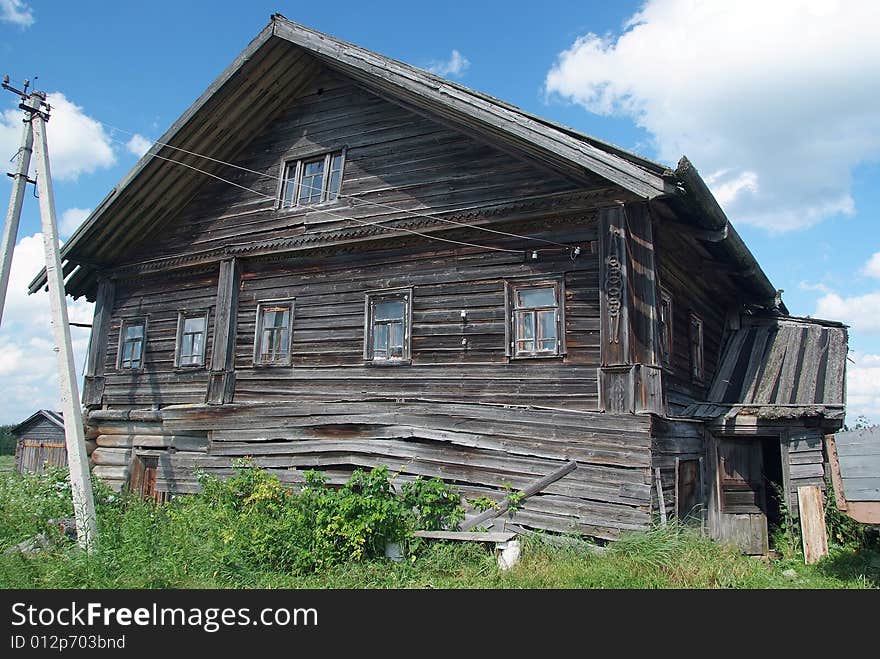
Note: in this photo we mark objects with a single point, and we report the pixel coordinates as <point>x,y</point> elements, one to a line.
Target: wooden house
<point>40,442</point>
<point>335,260</point>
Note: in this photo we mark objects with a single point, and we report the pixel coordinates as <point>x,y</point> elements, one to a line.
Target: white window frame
<point>287,358</point>
<point>511,309</point>
<point>372,297</point>
<point>182,317</point>
<point>296,166</point>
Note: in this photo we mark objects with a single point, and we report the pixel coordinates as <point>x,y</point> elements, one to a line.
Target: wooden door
<point>742,495</point>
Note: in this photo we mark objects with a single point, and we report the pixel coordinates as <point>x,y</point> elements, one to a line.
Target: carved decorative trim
<point>613,285</point>
<point>556,205</point>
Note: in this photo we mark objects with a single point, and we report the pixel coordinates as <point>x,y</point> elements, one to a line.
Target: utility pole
<point>36,112</point>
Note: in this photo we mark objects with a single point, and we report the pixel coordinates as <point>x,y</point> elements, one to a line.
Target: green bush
<point>258,522</point>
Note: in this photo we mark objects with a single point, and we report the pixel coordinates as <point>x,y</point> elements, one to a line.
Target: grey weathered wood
<point>221,384</point>
<point>658,480</point>
<point>812,516</point>
<point>468,536</point>
<point>528,491</point>
<point>93,384</point>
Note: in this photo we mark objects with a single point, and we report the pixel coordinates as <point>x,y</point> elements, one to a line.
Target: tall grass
<point>202,542</point>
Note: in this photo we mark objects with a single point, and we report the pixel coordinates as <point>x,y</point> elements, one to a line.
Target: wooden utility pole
<point>34,136</point>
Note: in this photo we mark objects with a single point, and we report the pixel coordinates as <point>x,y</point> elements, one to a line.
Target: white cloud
<point>71,219</point>
<point>455,66</point>
<point>863,387</point>
<point>859,312</point>
<point>872,267</point>
<point>16,12</point>
<point>138,145</point>
<point>780,96</point>
<point>28,362</point>
<point>820,287</point>
<point>78,144</point>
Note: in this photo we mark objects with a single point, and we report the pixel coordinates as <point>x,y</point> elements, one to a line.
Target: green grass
<point>147,546</point>
<point>6,462</point>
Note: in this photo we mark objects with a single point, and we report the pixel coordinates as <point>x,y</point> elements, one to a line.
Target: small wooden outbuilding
<point>40,442</point>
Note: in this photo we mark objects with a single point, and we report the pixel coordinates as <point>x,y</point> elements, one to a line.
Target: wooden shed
<point>334,260</point>
<point>40,442</point>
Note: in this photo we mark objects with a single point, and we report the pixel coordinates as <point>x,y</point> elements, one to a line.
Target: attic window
<point>313,180</point>
<point>697,352</point>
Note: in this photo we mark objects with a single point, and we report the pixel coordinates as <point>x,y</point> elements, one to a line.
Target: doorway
<point>749,482</point>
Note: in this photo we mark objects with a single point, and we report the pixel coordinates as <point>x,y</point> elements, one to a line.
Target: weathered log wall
<point>394,157</point>
<point>673,441</point>
<point>481,449</point>
<point>686,271</point>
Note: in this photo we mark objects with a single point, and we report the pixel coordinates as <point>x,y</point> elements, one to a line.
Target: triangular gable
<point>262,81</point>
<point>54,418</point>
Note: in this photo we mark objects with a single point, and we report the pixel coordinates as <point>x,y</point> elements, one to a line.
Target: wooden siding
<point>805,464</point>
<point>859,459</point>
<point>480,449</point>
<point>40,443</point>
<point>394,157</point>
<point>675,440</point>
<point>452,358</point>
<point>685,270</point>
<point>159,300</point>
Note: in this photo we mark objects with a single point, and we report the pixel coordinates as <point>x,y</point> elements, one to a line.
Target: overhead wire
<point>342,217</point>
<point>356,200</point>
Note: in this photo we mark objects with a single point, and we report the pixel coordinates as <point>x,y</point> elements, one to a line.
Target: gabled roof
<point>780,367</point>
<point>269,74</point>
<point>55,418</point>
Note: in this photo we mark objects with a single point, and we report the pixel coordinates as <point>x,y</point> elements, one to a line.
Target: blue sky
<point>777,104</point>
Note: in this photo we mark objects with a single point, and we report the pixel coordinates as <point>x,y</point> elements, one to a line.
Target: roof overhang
<point>273,69</point>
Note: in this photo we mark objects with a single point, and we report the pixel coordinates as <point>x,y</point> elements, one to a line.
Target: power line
<point>341,217</point>
<point>340,196</point>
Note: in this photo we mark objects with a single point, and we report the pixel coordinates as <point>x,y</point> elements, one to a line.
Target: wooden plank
<point>468,536</point>
<point>836,481</point>
<point>658,480</point>
<point>526,492</point>
<point>221,385</point>
<point>812,516</point>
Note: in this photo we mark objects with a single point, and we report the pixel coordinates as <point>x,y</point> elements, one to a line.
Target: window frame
<point>182,317</point>
<point>124,323</point>
<point>372,297</point>
<point>665,340</point>
<point>297,163</point>
<point>287,360</point>
<point>697,349</point>
<point>511,286</point>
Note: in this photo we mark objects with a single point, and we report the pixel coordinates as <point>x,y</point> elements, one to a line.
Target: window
<point>696,335</point>
<point>132,335</point>
<point>312,180</point>
<point>192,329</point>
<point>536,322</point>
<point>274,331</point>
<point>665,328</point>
<point>387,335</point>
